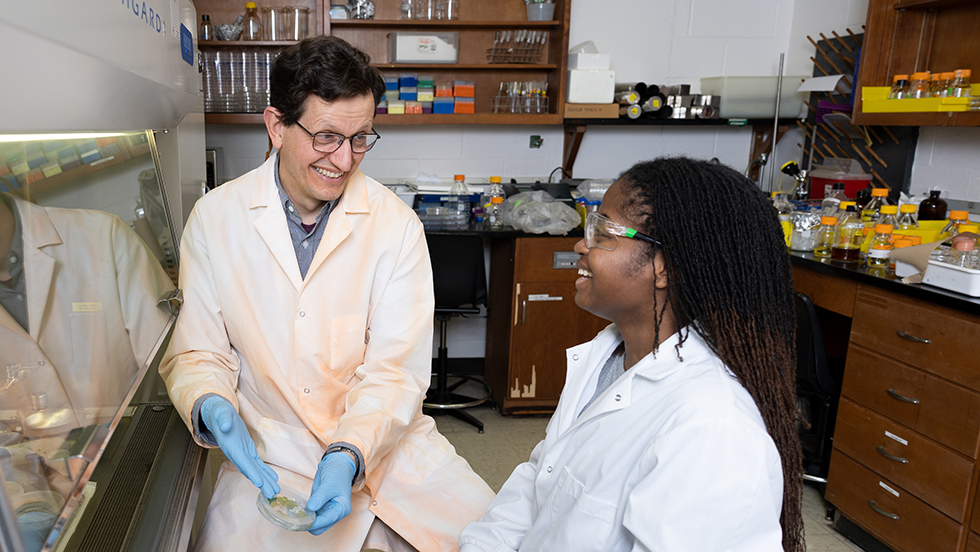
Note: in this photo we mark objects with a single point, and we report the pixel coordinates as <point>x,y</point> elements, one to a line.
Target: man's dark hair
<point>732,282</point>
<point>325,66</point>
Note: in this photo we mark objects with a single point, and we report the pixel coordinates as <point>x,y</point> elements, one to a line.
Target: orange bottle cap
<point>903,242</point>
<point>900,77</point>
<point>879,192</point>
<point>459,177</point>
<point>826,220</point>
<point>889,209</point>
<point>964,73</point>
<point>498,199</point>
<point>959,215</point>
<point>883,228</point>
<point>920,76</point>
<point>948,75</point>
<point>907,208</point>
<point>497,178</point>
<point>916,240</point>
<point>935,77</point>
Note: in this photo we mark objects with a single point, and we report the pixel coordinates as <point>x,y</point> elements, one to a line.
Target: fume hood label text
<point>146,13</point>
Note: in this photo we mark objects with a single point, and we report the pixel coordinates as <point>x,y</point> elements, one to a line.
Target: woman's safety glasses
<point>602,233</point>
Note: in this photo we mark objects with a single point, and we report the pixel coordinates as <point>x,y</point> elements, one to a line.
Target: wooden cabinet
<point>533,319</point>
<point>905,36</point>
<point>479,24</point>
<point>904,462</point>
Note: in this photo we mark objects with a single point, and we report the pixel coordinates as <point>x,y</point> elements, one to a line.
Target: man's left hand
<point>330,498</point>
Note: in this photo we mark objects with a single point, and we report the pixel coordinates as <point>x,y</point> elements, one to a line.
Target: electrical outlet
<point>536,141</point>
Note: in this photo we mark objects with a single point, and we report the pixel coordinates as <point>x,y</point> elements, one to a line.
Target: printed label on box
<point>426,45</point>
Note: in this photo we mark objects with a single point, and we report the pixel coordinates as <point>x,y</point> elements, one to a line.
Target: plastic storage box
<point>424,48</point>
<point>441,218</point>
<point>953,278</point>
<point>755,97</point>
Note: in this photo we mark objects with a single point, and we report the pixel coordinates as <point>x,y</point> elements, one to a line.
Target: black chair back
<point>458,270</point>
<point>813,374</point>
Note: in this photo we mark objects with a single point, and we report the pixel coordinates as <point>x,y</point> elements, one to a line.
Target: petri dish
<point>286,510</point>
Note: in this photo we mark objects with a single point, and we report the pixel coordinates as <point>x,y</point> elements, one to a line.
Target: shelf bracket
<point>573,140</point>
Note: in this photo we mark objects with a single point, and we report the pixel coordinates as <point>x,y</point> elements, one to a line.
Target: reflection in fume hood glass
<point>85,249</point>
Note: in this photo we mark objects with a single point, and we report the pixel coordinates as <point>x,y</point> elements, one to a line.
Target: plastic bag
<point>537,212</point>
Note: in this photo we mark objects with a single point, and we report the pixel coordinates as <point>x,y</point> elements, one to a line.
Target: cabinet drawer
<point>534,260</point>
<point>973,542</point>
<point>930,471</point>
<point>916,526</point>
<point>882,318</point>
<point>944,411</point>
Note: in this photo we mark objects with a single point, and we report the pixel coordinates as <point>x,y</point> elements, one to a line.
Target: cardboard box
<point>591,111</point>
<point>591,86</point>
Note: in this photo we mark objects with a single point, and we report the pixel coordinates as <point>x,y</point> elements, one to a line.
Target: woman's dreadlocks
<point>730,280</point>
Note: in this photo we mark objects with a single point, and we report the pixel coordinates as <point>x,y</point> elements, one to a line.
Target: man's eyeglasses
<point>329,142</point>
<point>603,233</point>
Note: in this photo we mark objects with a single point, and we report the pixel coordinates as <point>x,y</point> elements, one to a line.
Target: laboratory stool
<point>460,286</point>
<point>817,391</point>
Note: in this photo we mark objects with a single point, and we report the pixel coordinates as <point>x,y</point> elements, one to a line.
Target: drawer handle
<point>523,310</point>
<point>905,335</point>
<point>874,506</point>
<point>884,453</point>
<point>895,395</point>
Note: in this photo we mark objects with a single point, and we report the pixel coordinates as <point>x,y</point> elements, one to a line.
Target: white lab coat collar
<point>272,225</point>
<point>585,362</point>
<point>39,232</point>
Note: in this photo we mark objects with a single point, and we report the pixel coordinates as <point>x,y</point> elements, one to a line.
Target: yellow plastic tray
<point>874,99</point>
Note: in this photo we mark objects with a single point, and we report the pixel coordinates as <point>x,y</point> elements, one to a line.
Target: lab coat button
<point>549,469</point>
<point>302,314</point>
<point>374,503</point>
<point>306,390</point>
<point>574,357</point>
<point>619,398</point>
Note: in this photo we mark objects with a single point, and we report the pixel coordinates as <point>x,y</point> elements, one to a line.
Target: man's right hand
<point>232,436</point>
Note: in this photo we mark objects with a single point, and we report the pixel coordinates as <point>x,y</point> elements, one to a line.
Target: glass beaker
<point>272,23</point>
<point>424,9</point>
<point>295,22</point>
<point>447,9</point>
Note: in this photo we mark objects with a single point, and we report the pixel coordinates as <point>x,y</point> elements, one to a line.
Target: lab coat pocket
<point>293,448</point>
<point>419,453</point>
<point>89,343</point>
<point>347,342</point>
<point>578,521</point>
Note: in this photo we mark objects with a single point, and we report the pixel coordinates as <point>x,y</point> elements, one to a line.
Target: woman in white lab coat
<point>675,429</point>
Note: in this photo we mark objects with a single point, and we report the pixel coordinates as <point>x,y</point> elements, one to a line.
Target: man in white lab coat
<point>307,329</point>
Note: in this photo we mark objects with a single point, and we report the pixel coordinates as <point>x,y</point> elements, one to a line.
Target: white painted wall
<point>656,41</point>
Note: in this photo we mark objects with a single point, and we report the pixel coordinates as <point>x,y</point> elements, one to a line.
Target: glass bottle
<point>862,197</point>
<point>889,215</point>
<point>919,86</point>
<point>824,241</point>
<point>849,237</point>
<point>900,87</point>
<point>960,87</point>
<point>956,218</point>
<point>459,196</point>
<point>944,82</point>
<point>783,207</point>
<point>494,204</point>
<point>407,7</point>
<point>252,24</point>
<point>963,253</point>
<point>831,204</point>
<point>932,207</point>
<point>206,30</point>
<point>935,84</point>
<point>871,211</point>
<point>447,10</point>
<point>906,220</point>
<point>881,245</point>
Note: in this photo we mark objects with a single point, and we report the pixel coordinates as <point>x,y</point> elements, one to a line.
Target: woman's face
<point>617,285</point>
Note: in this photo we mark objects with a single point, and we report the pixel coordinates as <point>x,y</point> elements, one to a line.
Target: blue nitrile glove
<point>232,436</point>
<point>34,528</point>
<point>330,498</point>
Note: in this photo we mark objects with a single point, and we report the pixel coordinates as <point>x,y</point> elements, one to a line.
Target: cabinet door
<point>547,321</point>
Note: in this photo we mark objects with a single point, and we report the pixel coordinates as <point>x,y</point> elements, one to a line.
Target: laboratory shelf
<point>422,119</point>
<point>497,67</point>
<point>240,43</point>
<point>675,122</point>
<point>456,24</point>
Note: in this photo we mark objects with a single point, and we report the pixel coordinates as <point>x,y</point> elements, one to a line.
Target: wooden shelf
<point>240,43</point>
<point>674,122</point>
<point>949,118</point>
<point>498,67</point>
<point>125,154</point>
<point>422,24</point>
<point>931,4</point>
<point>425,119</point>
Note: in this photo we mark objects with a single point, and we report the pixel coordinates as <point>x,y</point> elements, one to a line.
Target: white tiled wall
<point>948,159</point>
<point>654,41</point>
